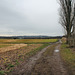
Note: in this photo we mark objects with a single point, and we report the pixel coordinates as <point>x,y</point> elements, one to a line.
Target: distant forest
<point>30,37</point>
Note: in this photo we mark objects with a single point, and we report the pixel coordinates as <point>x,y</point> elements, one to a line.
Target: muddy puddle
<point>56,50</point>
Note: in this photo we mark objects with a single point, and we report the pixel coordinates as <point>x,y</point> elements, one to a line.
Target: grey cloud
<point>29,17</point>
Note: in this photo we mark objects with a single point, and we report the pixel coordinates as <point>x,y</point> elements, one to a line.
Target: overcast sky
<point>29,17</point>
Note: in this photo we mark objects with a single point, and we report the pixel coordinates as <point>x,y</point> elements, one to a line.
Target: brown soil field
<point>14,55</point>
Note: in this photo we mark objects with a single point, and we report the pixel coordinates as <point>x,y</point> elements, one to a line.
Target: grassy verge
<point>68,55</point>
<point>36,50</point>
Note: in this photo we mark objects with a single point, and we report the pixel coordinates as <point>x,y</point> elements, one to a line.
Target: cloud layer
<point>29,17</point>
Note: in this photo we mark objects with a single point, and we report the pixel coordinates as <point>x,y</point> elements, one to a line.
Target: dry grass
<point>64,40</point>
<point>13,47</point>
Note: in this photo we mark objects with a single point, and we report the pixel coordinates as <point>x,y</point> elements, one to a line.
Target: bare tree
<point>67,15</point>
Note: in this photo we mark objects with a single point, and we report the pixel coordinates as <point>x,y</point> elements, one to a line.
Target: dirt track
<point>41,65</point>
<point>57,65</point>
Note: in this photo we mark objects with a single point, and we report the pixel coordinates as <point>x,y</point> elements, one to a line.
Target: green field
<point>4,45</point>
<point>27,40</point>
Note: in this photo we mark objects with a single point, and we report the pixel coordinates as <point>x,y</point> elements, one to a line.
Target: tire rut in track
<point>50,65</point>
